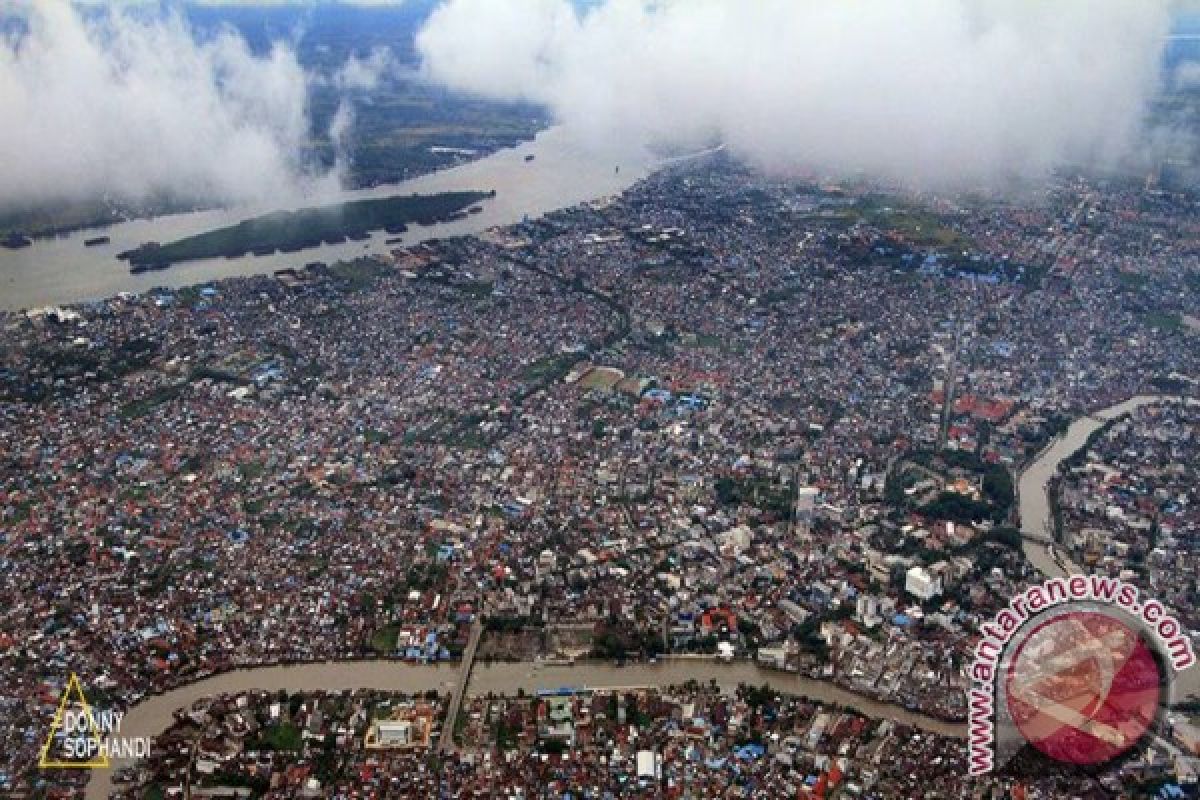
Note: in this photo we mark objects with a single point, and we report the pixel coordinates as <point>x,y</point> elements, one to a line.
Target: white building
<point>649,765</point>
<point>546,563</point>
<point>867,607</point>
<point>736,540</point>
<point>806,501</point>
<point>806,508</point>
<point>920,584</point>
<point>777,657</point>
<point>398,733</point>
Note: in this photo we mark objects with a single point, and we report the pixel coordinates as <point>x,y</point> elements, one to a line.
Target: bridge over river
<point>155,714</point>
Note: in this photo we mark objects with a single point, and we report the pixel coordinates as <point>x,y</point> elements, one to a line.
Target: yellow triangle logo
<point>82,744</point>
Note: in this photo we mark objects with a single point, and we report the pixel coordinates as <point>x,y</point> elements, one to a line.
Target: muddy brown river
<point>155,714</point>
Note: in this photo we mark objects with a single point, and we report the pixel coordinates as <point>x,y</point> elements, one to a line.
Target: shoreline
<point>62,271</point>
<point>1034,503</point>
<point>154,713</point>
<point>122,215</point>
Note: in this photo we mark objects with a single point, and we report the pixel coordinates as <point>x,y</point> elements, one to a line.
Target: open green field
<point>383,641</point>
<point>284,737</point>
<point>1168,321</point>
<point>295,230</point>
<point>921,228</point>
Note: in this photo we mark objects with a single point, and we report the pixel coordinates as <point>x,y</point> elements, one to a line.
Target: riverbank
<point>296,231</point>
<point>1033,487</point>
<point>155,714</point>
<point>1035,504</point>
<point>566,172</point>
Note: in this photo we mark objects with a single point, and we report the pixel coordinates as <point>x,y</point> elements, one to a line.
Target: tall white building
<point>922,585</point>
<point>806,502</point>
<point>867,606</point>
<point>649,765</point>
<point>807,498</point>
<point>547,562</point>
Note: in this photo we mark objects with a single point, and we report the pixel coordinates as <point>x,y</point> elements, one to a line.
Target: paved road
<point>446,742</point>
<point>951,385</point>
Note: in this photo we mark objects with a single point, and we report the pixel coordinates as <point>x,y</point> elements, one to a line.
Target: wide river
<point>563,173</point>
<point>155,714</point>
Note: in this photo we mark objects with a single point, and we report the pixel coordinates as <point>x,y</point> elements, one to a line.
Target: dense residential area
<point>599,400</point>
<point>1128,501</point>
<point>690,740</point>
<point>718,417</point>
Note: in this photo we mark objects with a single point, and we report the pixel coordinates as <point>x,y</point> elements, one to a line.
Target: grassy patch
<point>384,640</point>
<point>1033,276</point>
<point>144,405</point>
<point>361,273</point>
<point>918,226</point>
<point>252,470</point>
<point>707,341</point>
<point>215,375</point>
<point>373,436</point>
<point>466,439</point>
<point>548,368</point>
<point>188,296</point>
<point>1168,321</point>
<point>1132,281</point>
<point>283,737</point>
<point>476,289</point>
<point>20,511</point>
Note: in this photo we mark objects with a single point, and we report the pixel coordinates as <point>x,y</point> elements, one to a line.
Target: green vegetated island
<point>292,231</point>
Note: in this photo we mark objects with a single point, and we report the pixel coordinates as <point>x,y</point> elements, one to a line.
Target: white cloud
<point>339,135</point>
<point>928,91</point>
<point>1187,75</point>
<point>364,74</point>
<point>361,3</point>
<point>132,106</point>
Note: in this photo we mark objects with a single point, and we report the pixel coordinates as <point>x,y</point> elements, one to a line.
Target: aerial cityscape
<point>605,399</point>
